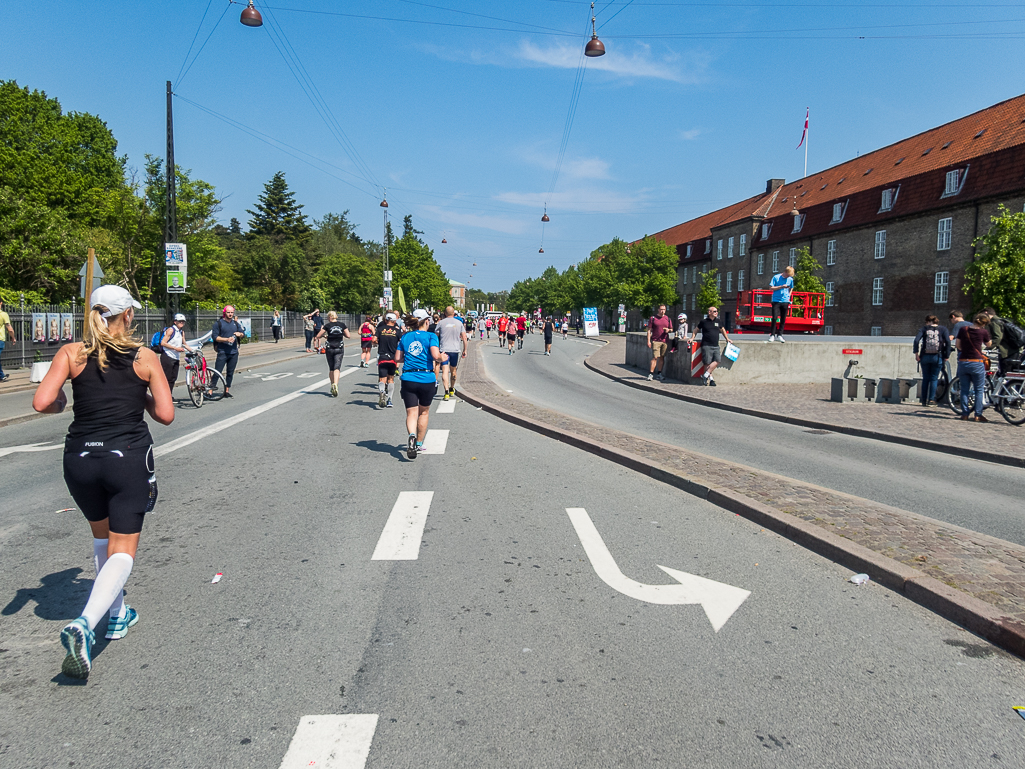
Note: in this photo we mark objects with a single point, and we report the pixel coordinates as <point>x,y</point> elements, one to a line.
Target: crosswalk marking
<point>435,442</point>
<point>400,540</point>
<point>446,407</point>
<point>331,742</point>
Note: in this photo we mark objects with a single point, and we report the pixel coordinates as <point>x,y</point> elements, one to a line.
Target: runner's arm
<point>50,397</point>
<point>10,333</point>
<point>159,403</point>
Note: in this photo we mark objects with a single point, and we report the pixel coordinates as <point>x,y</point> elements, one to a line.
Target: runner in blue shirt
<point>782,284</point>
<point>417,351</point>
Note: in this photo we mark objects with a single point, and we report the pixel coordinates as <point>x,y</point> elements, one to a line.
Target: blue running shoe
<point>77,639</point>
<point>117,627</point>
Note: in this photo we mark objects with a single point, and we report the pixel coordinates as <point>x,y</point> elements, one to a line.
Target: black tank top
<point>109,406</point>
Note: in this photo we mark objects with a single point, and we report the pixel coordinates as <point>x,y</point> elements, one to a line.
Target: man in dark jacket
<point>226,334</point>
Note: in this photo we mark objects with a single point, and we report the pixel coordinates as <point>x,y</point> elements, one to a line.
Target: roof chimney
<point>774,184</point>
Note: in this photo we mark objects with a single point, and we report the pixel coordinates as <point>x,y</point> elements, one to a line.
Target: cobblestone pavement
<point>988,569</point>
<point>811,402</point>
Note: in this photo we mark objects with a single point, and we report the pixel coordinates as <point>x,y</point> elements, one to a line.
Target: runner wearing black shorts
<point>417,352</point>
<point>335,333</point>
<point>366,342</point>
<point>108,456</point>
<point>387,338</point>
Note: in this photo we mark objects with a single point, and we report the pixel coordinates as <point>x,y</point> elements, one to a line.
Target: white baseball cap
<point>179,317</point>
<point>420,314</point>
<point>390,316</point>
<point>114,298</point>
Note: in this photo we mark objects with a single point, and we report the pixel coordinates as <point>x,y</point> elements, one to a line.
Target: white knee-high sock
<point>107,587</point>
<point>99,553</point>
<point>382,386</point>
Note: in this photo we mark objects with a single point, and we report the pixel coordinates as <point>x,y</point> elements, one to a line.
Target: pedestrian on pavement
<point>549,331</point>
<point>957,322</point>
<point>710,328</point>
<point>275,326</point>
<point>108,456</point>
<point>366,342</point>
<point>935,348</point>
<point>387,339</point>
<point>417,352</point>
<point>1006,348</point>
<point>580,325</point>
<point>309,328</point>
<point>226,334</point>
<point>452,338</point>
<point>659,326</point>
<point>334,333</point>
<point>782,285</point>
<point>172,344</point>
<point>971,365</point>
<point>6,335</point>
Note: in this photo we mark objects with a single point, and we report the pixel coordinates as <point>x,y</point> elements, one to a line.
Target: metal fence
<point>41,330</point>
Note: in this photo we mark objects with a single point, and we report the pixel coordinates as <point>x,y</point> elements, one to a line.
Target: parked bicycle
<point>1006,394</point>
<point>201,381</point>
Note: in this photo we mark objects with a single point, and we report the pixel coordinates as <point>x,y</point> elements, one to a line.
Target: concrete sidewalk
<point>972,579</point>
<point>808,405</point>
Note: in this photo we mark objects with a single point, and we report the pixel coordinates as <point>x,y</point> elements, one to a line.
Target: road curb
<point>981,618</point>
<point>985,456</point>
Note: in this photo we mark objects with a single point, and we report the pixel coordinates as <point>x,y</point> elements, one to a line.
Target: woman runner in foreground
<point>108,456</point>
<point>417,351</point>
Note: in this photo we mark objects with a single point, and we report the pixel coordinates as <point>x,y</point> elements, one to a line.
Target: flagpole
<point>806,137</point>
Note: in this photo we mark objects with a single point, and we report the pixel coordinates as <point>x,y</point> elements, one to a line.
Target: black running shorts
<point>366,344</point>
<point>119,485</point>
<point>418,393</point>
<point>385,368</point>
<point>520,332</point>
<point>334,358</point>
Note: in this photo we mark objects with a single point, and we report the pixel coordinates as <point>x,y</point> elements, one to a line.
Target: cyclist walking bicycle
<point>108,456</point>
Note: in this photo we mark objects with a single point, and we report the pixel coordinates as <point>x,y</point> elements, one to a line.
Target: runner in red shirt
<point>521,329</point>
<point>366,342</point>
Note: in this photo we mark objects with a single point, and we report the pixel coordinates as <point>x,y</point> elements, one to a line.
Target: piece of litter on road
<point>526,651</point>
<point>216,579</point>
<point>1019,709</point>
<point>859,579</point>
<point>473,457</point>
<point>67,510</point>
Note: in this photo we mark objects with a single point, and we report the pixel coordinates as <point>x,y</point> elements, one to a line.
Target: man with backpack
<point>1008,339</point>
<point>934,350</point>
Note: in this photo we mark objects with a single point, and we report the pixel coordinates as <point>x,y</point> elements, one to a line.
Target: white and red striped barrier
<point>697,360</point>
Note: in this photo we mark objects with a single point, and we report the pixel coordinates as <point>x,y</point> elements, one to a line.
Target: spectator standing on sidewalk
<point>931,348</point>
<point>226,333</point>
<point>275,326</point>
<point>1002,341</point>
<point>710,328</point>
<point>782,285</point>
<point>6,334</point>
<point>309,328</point>
<point>659,327</point>
<point>172,345</point>
<point>971,365</point>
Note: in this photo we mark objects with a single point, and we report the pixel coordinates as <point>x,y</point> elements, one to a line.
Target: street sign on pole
<point>176,260</point>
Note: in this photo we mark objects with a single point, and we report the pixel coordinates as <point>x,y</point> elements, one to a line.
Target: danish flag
<point>805,132</point>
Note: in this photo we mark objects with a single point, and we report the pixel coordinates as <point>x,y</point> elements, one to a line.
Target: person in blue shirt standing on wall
<point>226,334</point>
<point>417,352</point>
<point>782,284</point>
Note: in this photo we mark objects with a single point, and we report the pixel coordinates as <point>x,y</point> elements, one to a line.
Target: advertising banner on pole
<point>591,321</point>
<point>176,260</point>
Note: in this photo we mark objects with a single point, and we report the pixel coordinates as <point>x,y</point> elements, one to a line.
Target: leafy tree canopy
<point>708,294</point>
<point>805,277</point>
<point>997,276</point>
<point>416,272</point>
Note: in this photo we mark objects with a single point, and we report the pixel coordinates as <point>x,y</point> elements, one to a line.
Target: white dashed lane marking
<point>400,540</point>
<point>446,407</point>
<point>435,442</point>
<point>331,742</point>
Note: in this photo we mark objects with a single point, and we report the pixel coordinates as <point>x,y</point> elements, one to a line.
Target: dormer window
<point>954,182</point>
<point>766,229</point>
<point>798,222</point>
<point>689,250</point>
<point>838,211</point>
<point>889,199</point>
<point>708,246</point>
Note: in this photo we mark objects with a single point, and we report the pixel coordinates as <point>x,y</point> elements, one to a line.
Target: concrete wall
<point>809,360</point>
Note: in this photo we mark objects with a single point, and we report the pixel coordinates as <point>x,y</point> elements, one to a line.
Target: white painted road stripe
<point>446,407</point>
<point>216,427</point>
<point>331,742</point>
<point>400,540</point>
<point>435,442</point>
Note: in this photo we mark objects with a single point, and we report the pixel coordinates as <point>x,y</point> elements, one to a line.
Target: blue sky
<point>461,117</point>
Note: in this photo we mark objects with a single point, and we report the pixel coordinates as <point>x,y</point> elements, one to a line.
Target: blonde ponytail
<point>99,339</point>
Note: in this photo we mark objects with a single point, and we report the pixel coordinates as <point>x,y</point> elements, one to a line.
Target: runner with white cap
<point>417,351</point>
<point>108,455</point>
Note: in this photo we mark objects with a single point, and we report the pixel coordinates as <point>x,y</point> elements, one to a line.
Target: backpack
<point>930,340</point>
<point>335,336</point>
<point>1013,334</point>
<point>154,342</point>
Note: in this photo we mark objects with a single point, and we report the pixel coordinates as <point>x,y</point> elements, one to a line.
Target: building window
<point>686,275</point>
<point>693,302</point>
<point>798,222</point>
<point>704,269</point>
<point>766,229</point>
<point>877,292</point>
<point>887,202</point>
<point>775,262</point>
<point>718,281</point>
<point>729,282</point>
<point>943,234</point>
<point>793,257</point>
<point>740,280</point>
<point>942,288</point>
<point>880,251</point>
<point>838,210</point>
<point>729,249</point>
<point>831,252</point>
<point>718,249</point>
<point>761,264</point>
<point>876,331</point>
<point>743,245</point>
<point>953,178</point>
<point>829,293</point>
<point>689,250</point>
<point>827,330</point>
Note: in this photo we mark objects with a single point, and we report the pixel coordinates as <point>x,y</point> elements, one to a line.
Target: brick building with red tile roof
<point>893,228</point>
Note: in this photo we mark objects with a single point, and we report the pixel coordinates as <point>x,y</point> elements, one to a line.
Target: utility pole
<point>387,266</point>
<point>171,217</point>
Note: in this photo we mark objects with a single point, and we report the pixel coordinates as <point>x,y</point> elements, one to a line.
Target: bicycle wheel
<point>214,384</point>
<point>1013,403</point>
<point>954,396</point>
<point>195,387</point>
<point>942,386</point>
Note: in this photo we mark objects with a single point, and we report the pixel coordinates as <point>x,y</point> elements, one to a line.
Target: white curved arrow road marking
<point>29,447</point>
<point>718,600</point>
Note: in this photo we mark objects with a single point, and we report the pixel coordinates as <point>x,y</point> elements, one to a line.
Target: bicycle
<point>1006,394</point>
<point>201,381</point>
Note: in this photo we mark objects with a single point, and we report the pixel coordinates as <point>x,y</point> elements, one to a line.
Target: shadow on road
<point>383,448</point>
<point>58,596</point>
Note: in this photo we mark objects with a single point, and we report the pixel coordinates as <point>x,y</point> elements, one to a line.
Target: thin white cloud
<point>590,200</point>
<point>690,135</point>
<point>573,168</point>
<point>505,224</point>
<point>637,64</point>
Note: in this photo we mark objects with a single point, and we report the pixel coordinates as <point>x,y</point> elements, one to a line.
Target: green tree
<point>415,271</point>
<point>805,278</point>
<point>335,234</point>
<point>650,271</point>
<point>277,213</point>
<point>996,277</point>
<point>350,282</point>
<point>708,294</point>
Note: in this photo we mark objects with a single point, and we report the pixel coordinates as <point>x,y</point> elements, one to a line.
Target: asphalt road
<point>497,645</point>
<point>976,495</point>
